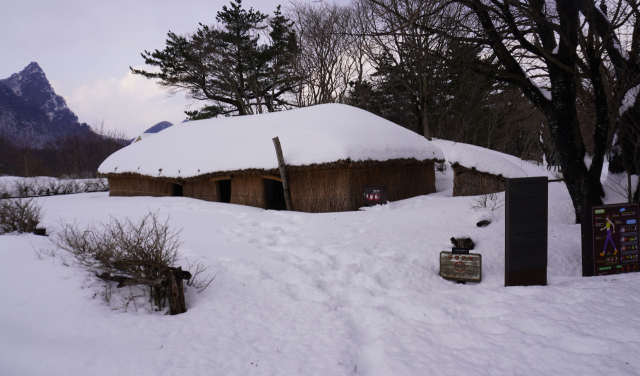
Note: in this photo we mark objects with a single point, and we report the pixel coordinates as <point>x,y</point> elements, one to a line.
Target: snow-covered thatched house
<point>478,171</point>
<point>330,152</point>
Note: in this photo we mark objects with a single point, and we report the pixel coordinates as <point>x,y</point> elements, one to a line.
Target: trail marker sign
<point>461,267</point>
<point>610,239</point>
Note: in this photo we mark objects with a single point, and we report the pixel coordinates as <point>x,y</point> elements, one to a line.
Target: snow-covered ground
<point>354,293</point>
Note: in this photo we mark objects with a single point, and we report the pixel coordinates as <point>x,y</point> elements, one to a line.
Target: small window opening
<point>274,193</point>
<point>225,190</point>
<point>176,190</point>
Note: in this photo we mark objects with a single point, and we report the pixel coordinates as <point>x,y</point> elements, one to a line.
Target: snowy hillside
<point>354,293</point>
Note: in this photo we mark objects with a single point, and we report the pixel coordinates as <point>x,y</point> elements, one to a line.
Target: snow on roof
<point>318,134</point>
<point>481,159</point>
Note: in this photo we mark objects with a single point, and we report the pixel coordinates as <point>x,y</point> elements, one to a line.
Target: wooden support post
<point>175,293</point>
<point>283,174</point>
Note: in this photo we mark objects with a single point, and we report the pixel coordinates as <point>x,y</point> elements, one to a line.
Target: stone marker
<point>526,210</point>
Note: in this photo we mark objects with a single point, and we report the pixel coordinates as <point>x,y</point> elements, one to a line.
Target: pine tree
<point>225,64</point>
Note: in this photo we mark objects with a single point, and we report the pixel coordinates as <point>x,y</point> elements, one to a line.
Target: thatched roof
<point>309,136</point>
<point>476,158</point>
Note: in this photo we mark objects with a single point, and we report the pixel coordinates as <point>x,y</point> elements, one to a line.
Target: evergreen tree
<point>227,66</point>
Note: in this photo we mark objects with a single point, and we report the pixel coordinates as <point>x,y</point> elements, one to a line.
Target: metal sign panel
<point>610,239</point>
<point>461,267</point>
<point>526,213</point>
<point>374,195</point>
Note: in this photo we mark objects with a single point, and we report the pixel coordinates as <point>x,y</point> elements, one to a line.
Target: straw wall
<point>340,188</point>
<point>330,187</point>
<point>202,189</point>
<point>248,191</point>
<point>322,191</point>
<point>471,182</point>
<point>139,186</point>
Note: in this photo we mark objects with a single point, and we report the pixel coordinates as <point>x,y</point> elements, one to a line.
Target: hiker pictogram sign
<point>610,244</point>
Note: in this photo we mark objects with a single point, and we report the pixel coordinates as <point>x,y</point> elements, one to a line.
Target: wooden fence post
<point>283,174</point>
<point>175,291</point>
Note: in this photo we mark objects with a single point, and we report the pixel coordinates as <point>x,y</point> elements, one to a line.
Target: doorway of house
<point>224,187</point>
<point>176,190</point>
<point>274,193</point>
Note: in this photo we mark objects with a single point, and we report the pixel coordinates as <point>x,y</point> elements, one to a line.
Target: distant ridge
<point>158,127</point>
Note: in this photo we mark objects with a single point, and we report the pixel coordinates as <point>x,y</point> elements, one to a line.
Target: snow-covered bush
<point>49,186</point>
<point>19,215</point>
<point>5,191</point>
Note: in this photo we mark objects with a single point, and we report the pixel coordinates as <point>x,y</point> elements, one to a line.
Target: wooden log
<point>175,291</point>
<point>283,174</point>
<point>127,281</point>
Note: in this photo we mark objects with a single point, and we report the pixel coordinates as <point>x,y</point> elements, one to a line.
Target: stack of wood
<point>172,281</point>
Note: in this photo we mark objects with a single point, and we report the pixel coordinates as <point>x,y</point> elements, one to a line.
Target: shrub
<point>493,201</point>
<point>140,252</point>
<point>19,215</point>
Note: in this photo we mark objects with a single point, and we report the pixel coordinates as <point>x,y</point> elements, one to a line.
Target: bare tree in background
<point>79,155</point>
<point>329,53</point>
<point>404,48</point>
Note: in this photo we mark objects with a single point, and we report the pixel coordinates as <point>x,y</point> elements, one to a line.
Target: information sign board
<point>526,215</point>
<point>374,195</point>
<point>610,239</point>
<point>461,267</point>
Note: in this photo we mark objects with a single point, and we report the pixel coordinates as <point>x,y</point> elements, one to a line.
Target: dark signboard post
<point>374,195</point>
<point>610,239</point>
<point>526,209</point>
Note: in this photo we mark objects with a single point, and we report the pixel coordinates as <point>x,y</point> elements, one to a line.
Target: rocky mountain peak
<point>32,85</point>
<point>28,104</point>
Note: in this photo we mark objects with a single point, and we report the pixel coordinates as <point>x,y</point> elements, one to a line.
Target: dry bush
<point>197,280</point>
<point>141,252</point>
<point>19,215</point>
<point>493,201</point>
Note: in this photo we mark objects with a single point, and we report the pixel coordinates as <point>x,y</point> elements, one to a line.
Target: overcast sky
<point>86,47</point>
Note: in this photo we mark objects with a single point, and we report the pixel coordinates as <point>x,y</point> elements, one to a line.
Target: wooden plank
<point>283,173</point>
<point>227,177</point>
<point>272,177</point>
